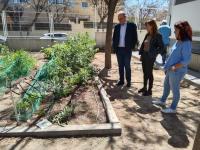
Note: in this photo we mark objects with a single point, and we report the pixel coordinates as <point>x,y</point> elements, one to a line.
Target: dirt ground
<point>144,127</point>
<point>88,106</point>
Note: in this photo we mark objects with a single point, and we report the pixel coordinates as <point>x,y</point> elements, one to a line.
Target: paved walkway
<point>144,127</point>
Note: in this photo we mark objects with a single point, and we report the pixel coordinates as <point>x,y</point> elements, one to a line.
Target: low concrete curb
<point>192,80</point>
<point>112,128</point>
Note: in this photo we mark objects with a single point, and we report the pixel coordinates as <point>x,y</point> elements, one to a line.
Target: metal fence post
<point>4,23</point>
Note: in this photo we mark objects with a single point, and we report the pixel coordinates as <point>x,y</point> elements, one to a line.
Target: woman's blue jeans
<point>172,82</point>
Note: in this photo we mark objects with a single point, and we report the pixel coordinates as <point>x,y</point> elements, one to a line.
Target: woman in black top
<point>150,48</point>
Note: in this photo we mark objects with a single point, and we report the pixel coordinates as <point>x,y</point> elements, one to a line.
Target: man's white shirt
<point>122,35</point>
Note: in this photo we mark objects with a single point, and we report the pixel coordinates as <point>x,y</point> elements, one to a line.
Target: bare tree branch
<point>146,9</point>
<point>102,8</point>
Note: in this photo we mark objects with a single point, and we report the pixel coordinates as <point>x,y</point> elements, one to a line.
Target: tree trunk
<point>197,140</point>
<point>32,23</point>
<point>101,22</point>
<point>5,4</point>
<point>111,10</point>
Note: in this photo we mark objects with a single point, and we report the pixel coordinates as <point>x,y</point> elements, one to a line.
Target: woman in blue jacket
<point>176,65</point>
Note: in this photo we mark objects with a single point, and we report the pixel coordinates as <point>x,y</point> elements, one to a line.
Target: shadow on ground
<point>178,132</point>
<point>176,129</point>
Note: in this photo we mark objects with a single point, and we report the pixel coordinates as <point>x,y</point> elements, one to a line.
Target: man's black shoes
<point>120,83</point>
<point>128,85</point>
<point>142,90</point>
<point>147,93</point>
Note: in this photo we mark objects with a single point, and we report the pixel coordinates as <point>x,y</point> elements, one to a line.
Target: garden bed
<point>93,116</point>
<point>62,92</point>
<point>89,108</point>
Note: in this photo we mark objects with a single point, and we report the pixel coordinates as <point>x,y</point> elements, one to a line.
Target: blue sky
<point>131,2</point>
<point>135,2</point>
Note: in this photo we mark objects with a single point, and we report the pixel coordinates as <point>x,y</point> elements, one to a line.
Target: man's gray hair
<point>121,13</point>
<point>164,22</point>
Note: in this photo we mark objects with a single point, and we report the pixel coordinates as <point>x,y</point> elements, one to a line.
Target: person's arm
<point>141,48</point>
<point>170,31</point>
<point>160,44</point>
<point>135,35</point>
<point>159,30</point>
<point>142,45</point>
<point>114,39</point>
<point>185,55</point>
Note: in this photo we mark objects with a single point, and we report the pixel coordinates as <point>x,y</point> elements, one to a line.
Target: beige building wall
<point>76,9</point>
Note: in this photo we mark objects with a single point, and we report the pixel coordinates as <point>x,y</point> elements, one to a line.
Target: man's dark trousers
<point>124,61</point>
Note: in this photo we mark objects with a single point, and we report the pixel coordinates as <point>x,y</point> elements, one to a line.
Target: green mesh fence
<point>14,65</point>
<point>34,94</point>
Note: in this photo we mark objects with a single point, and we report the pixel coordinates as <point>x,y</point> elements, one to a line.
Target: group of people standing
<point>155,42</point>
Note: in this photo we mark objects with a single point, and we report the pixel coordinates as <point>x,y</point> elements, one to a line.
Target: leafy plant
<point>48,52</point>
<point>23,106</point>
<point>63,116</point>
<point>15,65</point>
<point>32,97</point>
<point>4,49</point>
<point>41,112</point>
<point>70,63</point>
<point>68,66</point>
<point>28,102</point>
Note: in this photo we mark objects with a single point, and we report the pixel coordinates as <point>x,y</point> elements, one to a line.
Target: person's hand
<point>114,51</point>
<point>140,58</point>
<point>173,68</point>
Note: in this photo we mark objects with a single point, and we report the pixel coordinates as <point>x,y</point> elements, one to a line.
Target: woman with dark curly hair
<point>176,65</point>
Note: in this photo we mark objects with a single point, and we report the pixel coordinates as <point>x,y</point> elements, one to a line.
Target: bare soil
<point>89,108</point>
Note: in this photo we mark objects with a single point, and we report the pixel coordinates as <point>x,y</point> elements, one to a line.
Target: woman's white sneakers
<point>167,110</point>
<point>158,103</point>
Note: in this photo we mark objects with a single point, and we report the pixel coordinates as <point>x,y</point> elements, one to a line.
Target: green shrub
<point>48,52</point>
<point>3,49</point>
<point>28,102</point>
<point>70,63</point>
<point>15,65</point>
<point>23,106</point>
<point>68,66</point>
<point>63,116</point>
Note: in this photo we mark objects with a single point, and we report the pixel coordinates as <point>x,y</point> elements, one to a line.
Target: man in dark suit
<point>124,41</point>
